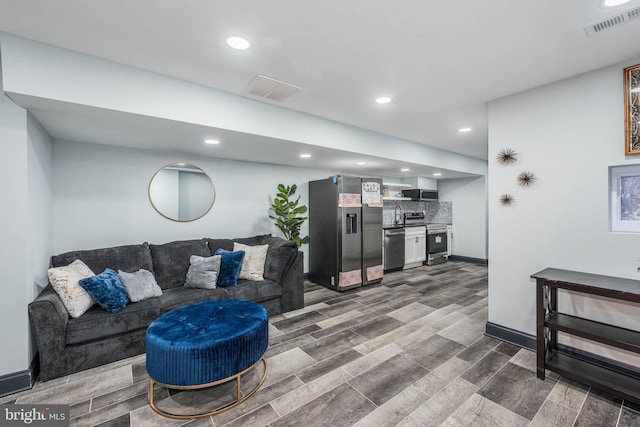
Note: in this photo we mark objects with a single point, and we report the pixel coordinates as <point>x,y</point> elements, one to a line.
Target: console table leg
<point>553,304</point>
<point>540,335</point>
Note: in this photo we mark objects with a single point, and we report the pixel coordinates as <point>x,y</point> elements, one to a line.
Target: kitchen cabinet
<point>415,246</point>
<point>550,321</point>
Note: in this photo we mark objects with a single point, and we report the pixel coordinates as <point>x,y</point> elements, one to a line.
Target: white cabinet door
<point>409,250</point>
<point>421,248</point>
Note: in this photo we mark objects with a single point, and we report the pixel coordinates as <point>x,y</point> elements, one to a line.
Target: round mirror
<point>181,192</point>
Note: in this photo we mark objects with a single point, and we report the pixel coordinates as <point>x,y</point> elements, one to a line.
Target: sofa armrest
<point>49,319</point>
<point>292,282</point>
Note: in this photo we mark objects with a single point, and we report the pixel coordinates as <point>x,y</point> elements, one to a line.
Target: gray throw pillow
<point>140,285</point>
<point>203,272</point>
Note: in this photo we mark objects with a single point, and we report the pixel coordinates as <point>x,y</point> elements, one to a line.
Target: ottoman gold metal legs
<point>239,397</point>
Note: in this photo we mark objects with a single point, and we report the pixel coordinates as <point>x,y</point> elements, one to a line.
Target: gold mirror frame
<point>632,110</point>
<point>184,167</point>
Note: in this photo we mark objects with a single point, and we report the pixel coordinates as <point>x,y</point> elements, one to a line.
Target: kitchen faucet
<point>398,214</point>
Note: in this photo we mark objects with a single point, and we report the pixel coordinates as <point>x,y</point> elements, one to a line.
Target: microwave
<point>422,195</point>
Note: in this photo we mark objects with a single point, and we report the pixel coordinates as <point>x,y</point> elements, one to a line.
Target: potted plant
<point>287,213</point>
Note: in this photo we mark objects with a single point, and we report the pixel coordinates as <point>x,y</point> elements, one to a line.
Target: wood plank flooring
<point>410,351</point>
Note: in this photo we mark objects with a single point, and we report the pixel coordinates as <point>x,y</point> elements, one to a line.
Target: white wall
<point>13,244</point>
<point>469,227</point>
<point>567,133</point>
<point>25,227</point>
<point>104,203</point>
<point>40,210</point>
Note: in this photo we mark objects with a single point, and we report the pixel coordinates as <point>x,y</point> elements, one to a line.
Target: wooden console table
<point>550,322</point>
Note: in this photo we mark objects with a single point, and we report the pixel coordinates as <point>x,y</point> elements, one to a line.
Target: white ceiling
<point>441,62</point>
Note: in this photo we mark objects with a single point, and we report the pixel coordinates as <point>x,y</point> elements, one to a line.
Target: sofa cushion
<point>126,258</point>
<point>203,272</point>
<point>140,285</point>
<point>250,290</point>
<point>253,262</point>
<point>107,290</point>
<point>215,244</point>
<point>177,297</point>
<point>280,255</point>
<point>66,282</point>
<point>230,266</point>
<point>253,240</point>
<point>171,261</point>
<point>97,324</point>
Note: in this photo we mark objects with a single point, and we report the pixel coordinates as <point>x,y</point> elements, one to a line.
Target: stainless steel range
<point>413,218</point>
<point>437,243</point>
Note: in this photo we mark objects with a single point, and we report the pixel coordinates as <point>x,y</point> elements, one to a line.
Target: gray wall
<point>25,227</point>
<point>567,133</point>
<point>40,209</point>
<point>101,204</point>
<point>469,199</point>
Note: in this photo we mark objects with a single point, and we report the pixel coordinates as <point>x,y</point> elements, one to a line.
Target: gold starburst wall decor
<point>506,199</point>
<point>526,179</point>
<point>507,156</point>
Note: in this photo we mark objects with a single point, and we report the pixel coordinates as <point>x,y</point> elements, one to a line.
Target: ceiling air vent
<point>612,22</point>
<point>274,90</point>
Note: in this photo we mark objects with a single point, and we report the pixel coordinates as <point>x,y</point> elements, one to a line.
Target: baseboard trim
<point>21,380</point>
<point>15,382</point>
<point>511,336</point>
<point>529,341</point>
<point>480,261</point>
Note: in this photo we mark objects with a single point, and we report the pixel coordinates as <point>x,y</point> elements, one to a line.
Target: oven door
<point>436,242</point>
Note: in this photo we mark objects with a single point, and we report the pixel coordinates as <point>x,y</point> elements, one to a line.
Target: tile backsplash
<point>435,212</point>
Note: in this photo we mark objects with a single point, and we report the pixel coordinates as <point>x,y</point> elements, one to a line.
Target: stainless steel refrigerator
<point>345,231</point>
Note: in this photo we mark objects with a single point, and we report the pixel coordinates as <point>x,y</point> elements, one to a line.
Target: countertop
<point>390,226</point>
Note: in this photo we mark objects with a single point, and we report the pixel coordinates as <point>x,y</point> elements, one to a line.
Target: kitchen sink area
<point>415,233</point>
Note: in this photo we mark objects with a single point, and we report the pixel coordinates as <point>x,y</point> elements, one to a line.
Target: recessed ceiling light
<point>462,130</point>
<point>211,141</point>
<point>383,100</point>
<point>239,43</point>
<point>612,3</point>
<point>437,174</point>
<point>361,163</point>
<point>305,156</point>
<point>405,170</point>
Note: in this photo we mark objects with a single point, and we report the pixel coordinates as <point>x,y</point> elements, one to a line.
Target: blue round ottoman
<point>206,344</point>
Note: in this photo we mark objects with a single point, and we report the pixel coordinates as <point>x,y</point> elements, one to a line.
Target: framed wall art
<point>624,202</point>
<point>631,110</point>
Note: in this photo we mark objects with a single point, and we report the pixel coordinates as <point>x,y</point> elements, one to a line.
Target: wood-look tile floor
<point>407,352</point>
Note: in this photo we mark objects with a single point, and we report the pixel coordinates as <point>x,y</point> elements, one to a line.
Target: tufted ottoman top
<point>206,342</point>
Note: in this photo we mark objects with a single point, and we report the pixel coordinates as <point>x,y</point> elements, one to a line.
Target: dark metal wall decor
<point>526,179</point>
<point>631,110</point>
<point>506,199</point>
<point>507,156</point>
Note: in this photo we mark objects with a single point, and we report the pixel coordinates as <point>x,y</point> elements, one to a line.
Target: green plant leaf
<point>287,213</point>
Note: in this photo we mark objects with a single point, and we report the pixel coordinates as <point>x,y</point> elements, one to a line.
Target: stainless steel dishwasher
<point>393,249</point>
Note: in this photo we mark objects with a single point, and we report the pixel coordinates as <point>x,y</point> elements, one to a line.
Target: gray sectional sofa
<point>67,345</point>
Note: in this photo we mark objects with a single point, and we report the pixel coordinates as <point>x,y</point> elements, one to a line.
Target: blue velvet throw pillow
<point>107,289</point>
<point>230,266</point>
